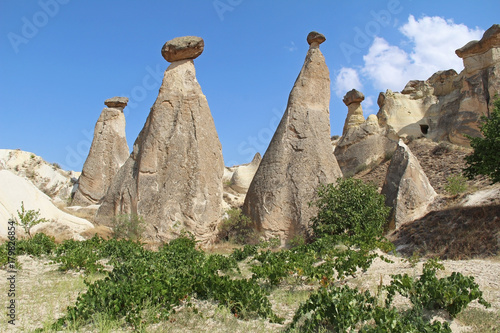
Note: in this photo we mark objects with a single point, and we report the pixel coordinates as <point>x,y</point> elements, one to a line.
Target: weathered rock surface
<point>448,105</point>
<point>314,38</point>
<point>181,48</point>
<point>116,102</point>
<point>173,178</point>
<point>243,175</point>
<point>15,190</point>
<point>298,158</point>
<point>363,145</point>
<point>406,188</point>
<point>108,152</point>
<point>355,116</point>
<point>49,178</point>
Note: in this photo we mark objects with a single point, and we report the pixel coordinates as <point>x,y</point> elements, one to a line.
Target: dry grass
<point>454,233</point>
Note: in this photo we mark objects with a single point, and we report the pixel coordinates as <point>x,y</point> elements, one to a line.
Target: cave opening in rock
<point>424,129</point>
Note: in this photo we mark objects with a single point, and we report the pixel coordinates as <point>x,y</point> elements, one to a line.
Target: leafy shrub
<point>237,228</point>
<point>336,309</point>
<point>297,241</point>
<point>452,293</point>
<point>165,279</point>
<point>485,160</point>
<point>351,209</point>
<point>29,218</point>
<point>456,184</point>
<point>80,255</point>
<point>247,251</point>
<point>128,226</point>
<point>342,309</point>
<point>36,246</point>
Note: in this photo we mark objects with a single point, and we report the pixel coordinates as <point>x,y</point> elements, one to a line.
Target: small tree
<point>29,218</point>
<point>237,227</point>
<point>351,209</point>
<point>128,226</point>
<point>485,160</point>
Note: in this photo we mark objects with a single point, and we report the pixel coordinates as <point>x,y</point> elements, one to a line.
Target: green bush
<point>351,210</point>
<point>452,293</point>
<point>29,218</point>
<point>237,228</point>
<point>165,279</point>
<point>128,226</point>
<point>342,309</point>
<point>456,184</point>
<point>485,160</point>
<point>36,246</point>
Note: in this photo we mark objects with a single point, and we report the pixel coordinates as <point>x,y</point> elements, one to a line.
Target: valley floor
<point>43,293</point>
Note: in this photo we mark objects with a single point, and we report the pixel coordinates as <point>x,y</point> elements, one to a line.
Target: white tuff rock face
<point>406,188</point>
<point>58,184</point>
<point>299,156</point>
<point>173,178</point>
<point>15,189</point>
<point>243,175</point>
<point>108,152</point>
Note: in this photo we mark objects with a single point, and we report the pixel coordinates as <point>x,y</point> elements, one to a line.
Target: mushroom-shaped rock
<point>116,102</point>
<point>173,178</point>
<point>353,96</point>
<point>355,116</point>
<point>181,48</point>
<point>108,152</point>
<point>298,159</point>
<point>315,38</point>
<point>490,39</point>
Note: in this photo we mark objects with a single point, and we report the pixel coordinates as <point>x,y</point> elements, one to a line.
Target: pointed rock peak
<point>181,48</point>
<point>108,152</point>
<point>406,188</point>
<point>315,38</point>
<point>256,159</point>
<point>116,102</point>
<point>353,96</point>
<point>299,157</point>
<point>490,39</point>
<point>173,178</point>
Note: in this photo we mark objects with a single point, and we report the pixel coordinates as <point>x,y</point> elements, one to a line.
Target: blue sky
<point>60,59</point>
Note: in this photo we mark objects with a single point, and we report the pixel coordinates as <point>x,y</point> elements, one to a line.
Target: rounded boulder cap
<point>181,48</point>
<point>116,102</point>
<point>353,96</point>
<point>315,37</point>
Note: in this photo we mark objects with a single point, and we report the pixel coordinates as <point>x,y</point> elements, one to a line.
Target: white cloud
<point>386,66</point>
<point>347,79</point>
<point>433,42</point>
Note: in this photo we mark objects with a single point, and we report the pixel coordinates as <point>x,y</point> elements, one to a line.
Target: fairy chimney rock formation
<point>108,152</point>
<point>299,156</point>
<point>406,188</point>
<point>355,116</point>
<point>173,178</point>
